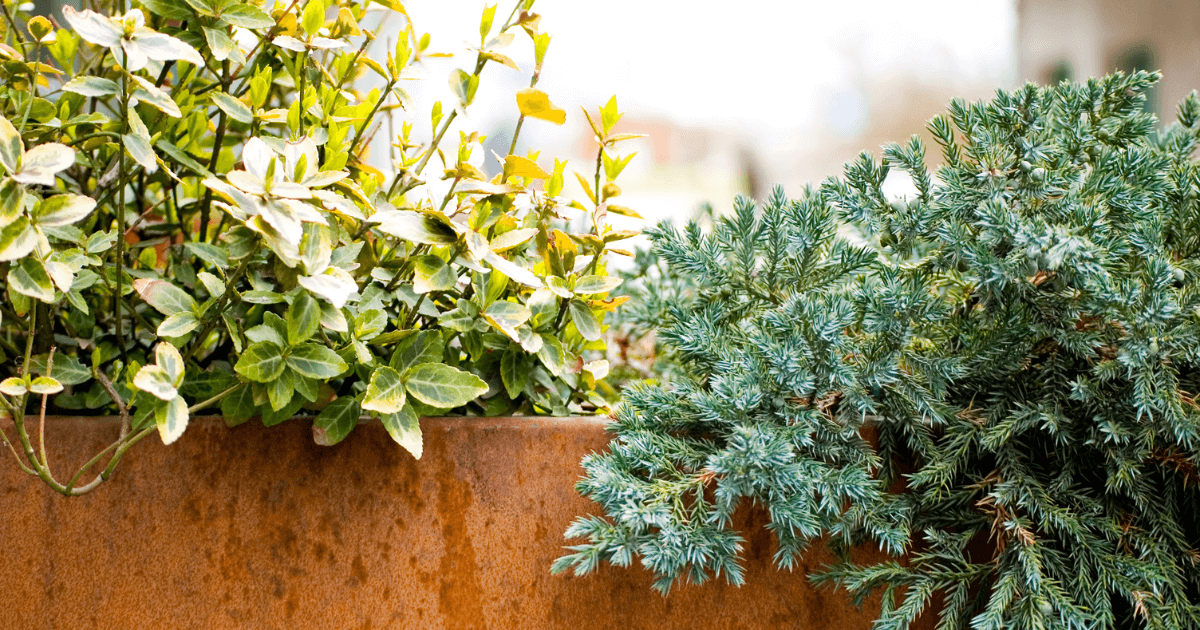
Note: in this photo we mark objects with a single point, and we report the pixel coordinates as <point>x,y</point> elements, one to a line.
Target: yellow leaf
<point>498,58</point>
<point>623,211</point>
<point>536,104</point>
<point>517,166</point>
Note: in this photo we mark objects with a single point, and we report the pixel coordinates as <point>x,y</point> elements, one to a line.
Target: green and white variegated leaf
<point>405,428</point>
<point>506,317</point>
<point>214,285</point>
<point>155,380</point>
<point>63,210</point>
<point>303,318</point>
<point>172,419</point>
<point>12,201</point>
<point>163,47</point>
<point>414,226</point>
<point>29,277</point>
<point>13,386</point>
<point>369,323</point>
<point>591,285</point>
<point>221,46</point>
<point>11,146</point>
<point>148,93</point>
<point>336,421</point>
<point>45,385</point>
<point>335,286</point>
<point>552,354</point>
<point>17,239</point>
<point>333,319</point>
<point>513,270</point>
<point>178,325</point>
<point>431,273</point>
<point>167,357</point>
<point>61,275</point>
<point>262,362</point>
<point>91,86</point>
<point>165,297</point>
<point>93,27</point>
<point>141,152</point>
<point>246,16</point>
<point>441,385</point>
<point>316,361</point>
<point>512,238</point>
<point>234,108</point>
<point>40,164</point>
<point>585,321</point>
<point>385,392</point>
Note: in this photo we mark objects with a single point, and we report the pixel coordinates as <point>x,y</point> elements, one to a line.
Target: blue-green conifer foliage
<point>993,380</point>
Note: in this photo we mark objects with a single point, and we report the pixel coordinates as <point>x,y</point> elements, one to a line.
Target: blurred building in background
<point>736,99</point>
<point>1076,39</point>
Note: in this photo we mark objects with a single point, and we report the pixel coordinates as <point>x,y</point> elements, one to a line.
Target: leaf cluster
<point>190,216</point>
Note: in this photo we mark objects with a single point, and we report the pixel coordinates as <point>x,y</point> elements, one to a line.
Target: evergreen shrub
<point>189,217</point>
<point>994,380</point>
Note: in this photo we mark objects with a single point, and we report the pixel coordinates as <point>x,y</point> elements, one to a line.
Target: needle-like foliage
<point>995,385</point>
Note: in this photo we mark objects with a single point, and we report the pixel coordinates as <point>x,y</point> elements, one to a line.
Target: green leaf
<point>165,297</point>
<point>172,419</point>
<point>464,86</point>
<point>67,369</point>
<point>591,285</point>
<point>178,325</point>
<point>514,373</point>
<point>314,17</point>
<point>154,380</point>
<point>211,254</point>
<point>272,417</point>
<point>385,393</point>
<point>369,323</point>
<point>246,16</point>
<point>234,108</point>
<point>431,273</point>
<point>552,354</point>
<point>141,152</point>
<point>405,429</point>
<point>239,406</point>
<point>336,421</point>
<point>303,318</point>
<point>44,385</point>
<point>585,321</point>
<point>440,385</point>
<point>316,361</point>
<point>261,362</point>
<point>91,86</point>
<point>221,45</point>
<point>170,9</point>
<point>29,277</point>
<point>506,316</point>
<point>426,346</point>
<point>281,388</point>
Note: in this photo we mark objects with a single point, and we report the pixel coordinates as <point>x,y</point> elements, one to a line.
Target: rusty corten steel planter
<point>261,528</point>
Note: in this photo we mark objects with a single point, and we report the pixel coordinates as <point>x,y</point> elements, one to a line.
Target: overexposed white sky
<point>768,66</point>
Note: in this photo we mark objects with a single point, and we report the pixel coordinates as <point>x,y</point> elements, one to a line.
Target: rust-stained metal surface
<point>261,528</point>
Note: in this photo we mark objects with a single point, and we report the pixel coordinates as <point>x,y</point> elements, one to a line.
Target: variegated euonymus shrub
<point>190,219</point>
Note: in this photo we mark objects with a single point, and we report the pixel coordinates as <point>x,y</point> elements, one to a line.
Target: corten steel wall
<point>260,528</point>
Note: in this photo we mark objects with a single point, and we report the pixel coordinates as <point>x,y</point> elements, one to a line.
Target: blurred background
<point>736,97</point>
